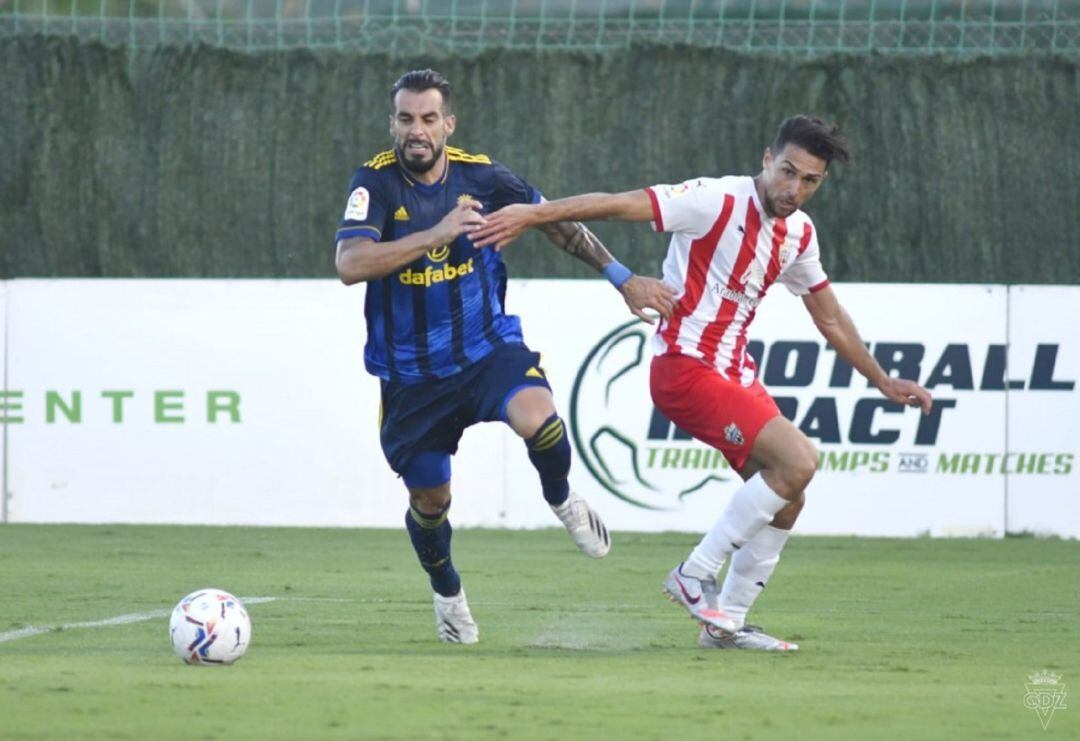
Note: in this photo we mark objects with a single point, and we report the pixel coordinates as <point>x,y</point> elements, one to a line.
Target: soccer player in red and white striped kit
<point>732,238</point>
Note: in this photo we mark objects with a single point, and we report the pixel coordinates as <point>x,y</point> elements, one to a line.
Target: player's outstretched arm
<point>639,292</point>
<point>507,224</point>
<point>359,258</point>
<point>837,327</point>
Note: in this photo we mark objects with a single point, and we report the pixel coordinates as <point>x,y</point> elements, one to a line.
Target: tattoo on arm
<point>575,239</point>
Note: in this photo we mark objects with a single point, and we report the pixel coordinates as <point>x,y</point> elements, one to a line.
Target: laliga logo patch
<point>629,447</point>
<point>674,191</point>
<point>357,207</point>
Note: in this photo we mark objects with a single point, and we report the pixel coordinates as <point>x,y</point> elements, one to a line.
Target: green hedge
<point>202,162</point>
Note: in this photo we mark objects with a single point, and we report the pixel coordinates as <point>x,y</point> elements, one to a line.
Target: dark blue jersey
<point>444,311</point>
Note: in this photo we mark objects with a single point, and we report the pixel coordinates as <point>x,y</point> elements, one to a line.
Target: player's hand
<point>642,293</point>
<point>903,391</point>
<point>503,227</point>
<point>464,219</point>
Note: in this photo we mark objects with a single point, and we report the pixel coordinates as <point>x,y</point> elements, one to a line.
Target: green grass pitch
<point>904,639</point>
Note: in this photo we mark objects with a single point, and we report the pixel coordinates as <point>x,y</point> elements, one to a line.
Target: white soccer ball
<point>210,627</point>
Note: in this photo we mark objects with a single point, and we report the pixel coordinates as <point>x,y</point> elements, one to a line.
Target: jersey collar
<point>414,183</point>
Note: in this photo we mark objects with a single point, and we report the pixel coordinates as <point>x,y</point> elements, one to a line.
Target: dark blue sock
<point>430,535</point>
<point>549,451</point>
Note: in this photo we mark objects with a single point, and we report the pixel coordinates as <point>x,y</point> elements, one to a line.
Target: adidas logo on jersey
<point>401,214</point>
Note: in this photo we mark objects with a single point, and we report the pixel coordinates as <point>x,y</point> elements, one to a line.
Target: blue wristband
<point>617,273</point>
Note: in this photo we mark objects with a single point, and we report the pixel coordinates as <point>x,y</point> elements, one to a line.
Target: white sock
<point>750,570</point>
<point>752,508</point>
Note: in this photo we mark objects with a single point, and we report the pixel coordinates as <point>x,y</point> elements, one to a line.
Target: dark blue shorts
<point>430,417</point>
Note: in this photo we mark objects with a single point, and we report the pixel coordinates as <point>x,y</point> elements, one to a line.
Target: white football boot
<point>453,619</point>
<point>584,526</point>
<point>747,637</point>
<point>696,595</point>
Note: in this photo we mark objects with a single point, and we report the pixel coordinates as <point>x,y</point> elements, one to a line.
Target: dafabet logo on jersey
<point>431,275</point>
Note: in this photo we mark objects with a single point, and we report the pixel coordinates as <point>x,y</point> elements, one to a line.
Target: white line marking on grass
<point>14,635</point>
<point>134,617</point>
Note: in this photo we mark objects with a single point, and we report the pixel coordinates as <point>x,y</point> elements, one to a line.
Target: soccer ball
<point>210,627</point>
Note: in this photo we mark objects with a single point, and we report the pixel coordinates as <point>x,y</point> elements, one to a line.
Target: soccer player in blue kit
<point>446,353</point>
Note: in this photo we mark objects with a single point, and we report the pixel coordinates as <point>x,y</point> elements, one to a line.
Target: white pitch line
<point>134,617</point>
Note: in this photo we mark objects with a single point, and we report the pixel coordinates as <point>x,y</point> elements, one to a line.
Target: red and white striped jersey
<point>724,255</point>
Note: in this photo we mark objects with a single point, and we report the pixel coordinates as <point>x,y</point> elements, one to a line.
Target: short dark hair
<point>419,80</point>
<point>820,139</point>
